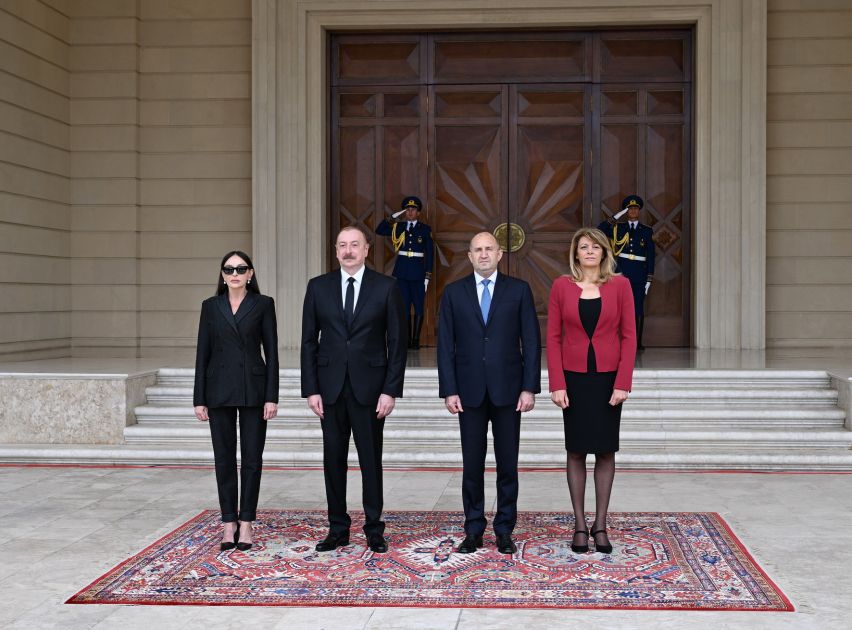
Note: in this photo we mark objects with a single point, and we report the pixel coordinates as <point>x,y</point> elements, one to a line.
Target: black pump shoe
<point>227,546</point>
<point>607,548</point>
<point>580,548</point>
<point>243,546</point>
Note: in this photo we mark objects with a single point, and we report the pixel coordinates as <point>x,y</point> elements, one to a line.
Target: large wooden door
<point>525,135</point>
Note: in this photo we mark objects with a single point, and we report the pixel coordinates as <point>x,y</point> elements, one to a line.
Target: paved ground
<point>66,526</point>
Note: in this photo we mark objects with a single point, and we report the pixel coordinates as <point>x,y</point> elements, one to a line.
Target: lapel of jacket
<point>248,303</point>
<point>331,286</point>
<point>473,298</point>
<point>225,308</point>
<point>367,286</point>
<point>608,306</point>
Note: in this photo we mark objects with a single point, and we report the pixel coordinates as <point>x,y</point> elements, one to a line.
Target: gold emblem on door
<point>510,236</point>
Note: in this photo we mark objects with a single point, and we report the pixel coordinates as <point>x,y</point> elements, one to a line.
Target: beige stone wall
<point>35,226</point>
<point>163,171</point>
<point>195,159</point>
<point>104,185</point>
<point>809,173</point>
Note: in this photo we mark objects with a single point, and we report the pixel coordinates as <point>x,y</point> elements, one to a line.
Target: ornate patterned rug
<point>661,560</point>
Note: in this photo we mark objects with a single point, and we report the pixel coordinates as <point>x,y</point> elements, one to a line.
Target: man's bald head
<point>484,254</point>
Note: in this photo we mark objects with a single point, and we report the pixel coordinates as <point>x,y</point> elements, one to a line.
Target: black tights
<point>604,474</point>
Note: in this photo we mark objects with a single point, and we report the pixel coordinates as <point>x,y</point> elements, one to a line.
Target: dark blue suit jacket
<point>412,268</point>
<point>502,356</point>
<point>641,243</point>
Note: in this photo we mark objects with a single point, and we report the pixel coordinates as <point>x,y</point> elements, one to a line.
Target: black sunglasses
<point>241,270</point>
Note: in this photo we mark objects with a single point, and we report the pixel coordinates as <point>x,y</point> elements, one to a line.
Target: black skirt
<point>591,423</point>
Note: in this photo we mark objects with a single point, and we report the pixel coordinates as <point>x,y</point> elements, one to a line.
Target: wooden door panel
<point>468,170</point>
<point>357,179</point>
<point>378,149</point>
<point>632,56</point>
<point>619,169</point>
<point>548,182</point>
<point>378,59</point>
<point>468,173</point>
<point>469,181</point>
<point>664,208</point>
<point>401,148</point>
<point>535,57</point>
<point>646,152</point>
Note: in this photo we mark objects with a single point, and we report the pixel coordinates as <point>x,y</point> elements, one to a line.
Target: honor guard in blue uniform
<point>412,242</point>
<point>633,246</point>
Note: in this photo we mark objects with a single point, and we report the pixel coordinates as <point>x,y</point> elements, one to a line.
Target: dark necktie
<point>349,304</point>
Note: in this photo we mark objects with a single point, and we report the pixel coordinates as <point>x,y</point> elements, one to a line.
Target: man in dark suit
<point>634,249</point>
<point>489,368</point>
<point>353,364</point>
<point>412,242</point>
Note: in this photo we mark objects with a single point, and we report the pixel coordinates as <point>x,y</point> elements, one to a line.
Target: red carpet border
<point>661,560</point>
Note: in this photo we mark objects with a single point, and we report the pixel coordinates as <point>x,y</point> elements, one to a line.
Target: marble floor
<point>66,526</point>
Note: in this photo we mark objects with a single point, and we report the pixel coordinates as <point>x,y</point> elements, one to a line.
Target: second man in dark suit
<point>489,369</point>
<point>353,364</point>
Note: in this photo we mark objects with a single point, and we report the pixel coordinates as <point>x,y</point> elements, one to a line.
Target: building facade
<point>140,140</point>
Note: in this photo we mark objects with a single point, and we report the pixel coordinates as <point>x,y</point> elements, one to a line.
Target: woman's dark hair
<point>251,287</point>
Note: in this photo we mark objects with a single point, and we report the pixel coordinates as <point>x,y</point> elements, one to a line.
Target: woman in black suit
<point>231,378</point>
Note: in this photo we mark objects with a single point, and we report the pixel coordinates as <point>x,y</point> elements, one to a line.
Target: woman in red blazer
<point>591,347</point>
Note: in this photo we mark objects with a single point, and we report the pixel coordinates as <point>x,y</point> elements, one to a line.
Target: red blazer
<point>614,339</point>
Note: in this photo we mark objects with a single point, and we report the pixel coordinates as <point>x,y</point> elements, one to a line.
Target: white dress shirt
<point>344,283</point>
<point>480,288</point>
<point>410,225</point>
<point>633,224</point>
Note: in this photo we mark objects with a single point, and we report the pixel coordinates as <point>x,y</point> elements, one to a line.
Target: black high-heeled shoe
<point>242,546</point>
<point>607,548</point>
<point>227,546</point>
<point>580,548</point>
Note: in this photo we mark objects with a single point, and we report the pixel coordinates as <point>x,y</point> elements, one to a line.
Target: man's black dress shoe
<point>377,543</point>
<point>470,544</point>
<point>333,541</point>
<point>505,544</point>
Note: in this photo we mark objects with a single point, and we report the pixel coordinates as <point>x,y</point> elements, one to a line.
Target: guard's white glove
<point>618,215</point>
<point>425,284</point>
<point>398,213</point>
<point>647,286</point>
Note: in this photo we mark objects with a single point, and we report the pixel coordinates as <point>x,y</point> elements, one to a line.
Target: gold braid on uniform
<point>398,241</point>
<point>618,243</point>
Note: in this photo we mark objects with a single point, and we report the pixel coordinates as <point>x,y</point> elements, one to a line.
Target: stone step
<point>397,437</point>
<point>159,395</point>
<point>627,459</point>
<point>697,419</point>
<point>731,416</point>
<point>643,379</point>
